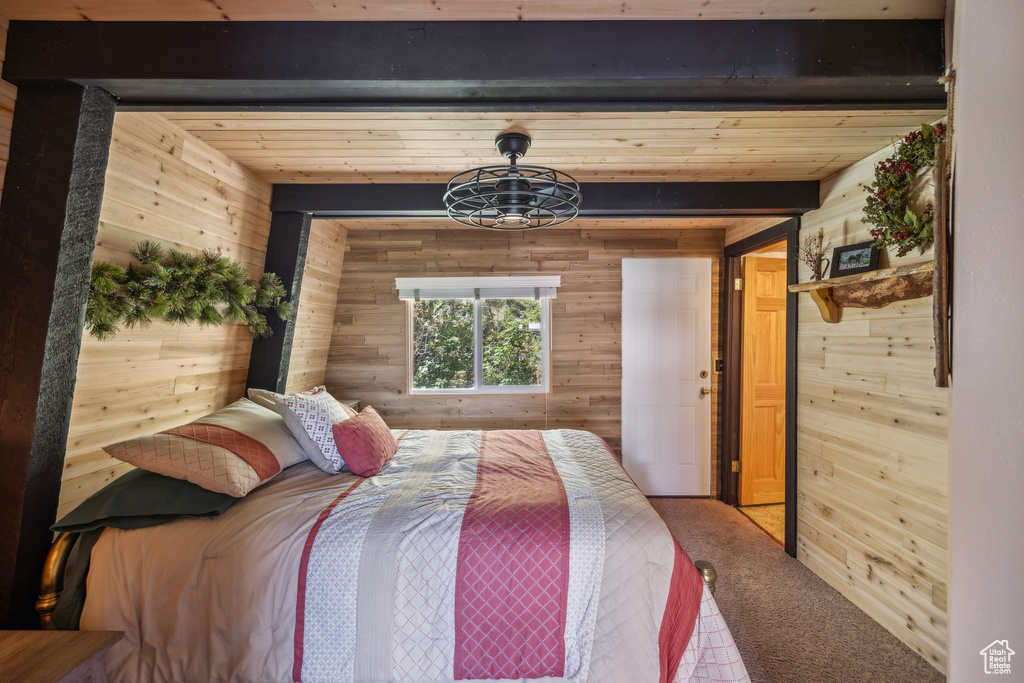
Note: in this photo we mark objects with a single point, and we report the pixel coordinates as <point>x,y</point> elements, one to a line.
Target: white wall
<point>987,439</point>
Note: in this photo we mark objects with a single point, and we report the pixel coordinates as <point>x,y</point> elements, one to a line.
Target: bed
<point>466,555</point>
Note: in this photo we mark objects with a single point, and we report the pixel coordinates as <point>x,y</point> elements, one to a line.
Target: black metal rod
<point>619,200</point>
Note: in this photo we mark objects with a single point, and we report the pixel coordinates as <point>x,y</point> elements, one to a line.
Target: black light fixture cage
<point>512,197</point>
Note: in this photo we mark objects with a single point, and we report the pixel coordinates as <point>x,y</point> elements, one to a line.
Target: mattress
<point>498,555</point>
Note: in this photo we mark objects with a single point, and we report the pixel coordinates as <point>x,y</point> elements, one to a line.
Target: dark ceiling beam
<point>600,200</point>
<point>490,65</point>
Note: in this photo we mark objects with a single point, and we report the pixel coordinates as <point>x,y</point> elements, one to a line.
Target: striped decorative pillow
<point>232,450</point>
<point>365,442</point>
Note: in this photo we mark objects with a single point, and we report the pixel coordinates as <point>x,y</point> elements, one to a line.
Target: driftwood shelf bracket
<point>875,289</point>
<point>830,312</point>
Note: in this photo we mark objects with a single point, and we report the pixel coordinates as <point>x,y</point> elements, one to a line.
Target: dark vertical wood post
<point>792,320</point>
<point>940,278</point>
<point>49,216</point>
<point>286,256</point>
<point>732,302</point>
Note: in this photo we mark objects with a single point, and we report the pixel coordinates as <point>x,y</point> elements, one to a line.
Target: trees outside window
<point>442,344</point>
<point>511,342</point>
<point>483,345</point>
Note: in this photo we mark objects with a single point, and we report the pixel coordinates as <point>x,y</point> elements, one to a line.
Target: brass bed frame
<point>51,585</point>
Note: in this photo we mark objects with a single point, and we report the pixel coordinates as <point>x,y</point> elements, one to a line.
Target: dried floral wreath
<point>180,288</point>
<point>887,208</point>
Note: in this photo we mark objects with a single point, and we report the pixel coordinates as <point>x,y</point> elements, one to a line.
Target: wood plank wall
<point>317,299</point>
<point>163,184</point>
<point>873,489</point>
<point>749,227</point>
<point>368,350</point>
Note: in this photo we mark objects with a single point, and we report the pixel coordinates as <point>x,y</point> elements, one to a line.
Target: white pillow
<point>265,397</point>
<point>310,418</point>
<point>262,397</point>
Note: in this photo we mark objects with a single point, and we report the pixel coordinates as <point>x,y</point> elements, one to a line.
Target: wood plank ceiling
<point>463,10</point>
<point>384,147</point>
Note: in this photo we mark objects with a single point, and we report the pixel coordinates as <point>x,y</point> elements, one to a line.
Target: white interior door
<point>666,345</point>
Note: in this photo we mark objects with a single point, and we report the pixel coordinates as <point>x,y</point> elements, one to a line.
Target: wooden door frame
<point>732,364</point>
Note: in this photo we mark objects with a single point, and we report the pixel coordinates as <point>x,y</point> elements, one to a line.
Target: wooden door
<point>666,348</point>
<point>763,387</point>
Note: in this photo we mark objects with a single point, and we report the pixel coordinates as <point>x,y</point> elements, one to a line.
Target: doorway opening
<point>762,489</point>
<point>758,471</point>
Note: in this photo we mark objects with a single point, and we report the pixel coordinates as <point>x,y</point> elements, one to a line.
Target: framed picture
<point>853,259</point>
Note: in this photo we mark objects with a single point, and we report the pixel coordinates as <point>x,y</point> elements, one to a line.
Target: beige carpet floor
<point>771,518</point>
<point>789,625</point>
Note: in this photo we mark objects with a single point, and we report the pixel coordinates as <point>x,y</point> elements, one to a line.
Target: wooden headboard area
<point>166,185</point>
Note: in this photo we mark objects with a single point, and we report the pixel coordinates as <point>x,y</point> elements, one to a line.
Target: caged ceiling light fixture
<point>512,197</point>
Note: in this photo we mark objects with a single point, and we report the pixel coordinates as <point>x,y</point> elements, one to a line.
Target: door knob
<point>704,391</point>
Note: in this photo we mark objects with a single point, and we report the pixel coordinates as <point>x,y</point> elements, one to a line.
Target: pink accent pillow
<point>365,442</point>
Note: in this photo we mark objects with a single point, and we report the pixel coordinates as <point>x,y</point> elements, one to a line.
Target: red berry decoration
<point>887,208</point>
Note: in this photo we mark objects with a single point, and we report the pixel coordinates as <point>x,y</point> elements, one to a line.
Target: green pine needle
<point>178,287</point>
<point>235,313</point>
<point>148,252</point>
<point>101,329</point>
<point>106,278</point>
<point>176,316</point>
<point>158,305</point>
<point>259,327</point>
<point>137,316</point>
<point>210,316</point>
<point>284,310</point>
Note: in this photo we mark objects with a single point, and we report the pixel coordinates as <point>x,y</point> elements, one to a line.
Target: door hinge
<point>735,465</point>
<point>738,284</point>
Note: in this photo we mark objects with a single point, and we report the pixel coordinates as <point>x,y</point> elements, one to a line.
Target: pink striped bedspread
<point>505,555</point>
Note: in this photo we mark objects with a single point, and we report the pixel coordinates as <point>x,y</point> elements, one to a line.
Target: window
<point>485,335</point>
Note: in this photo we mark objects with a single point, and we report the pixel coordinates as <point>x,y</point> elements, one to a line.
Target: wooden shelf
<point>352,403</point>
<point>875,289</point>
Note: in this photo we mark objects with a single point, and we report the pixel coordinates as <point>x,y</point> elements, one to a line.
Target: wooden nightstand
<point>352,403</point>
<point>55,656</point>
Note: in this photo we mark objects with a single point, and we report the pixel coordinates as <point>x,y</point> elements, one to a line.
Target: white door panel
<point>666,344</point>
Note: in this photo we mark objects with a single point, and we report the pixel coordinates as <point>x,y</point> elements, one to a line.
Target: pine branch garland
<point>181,288</point>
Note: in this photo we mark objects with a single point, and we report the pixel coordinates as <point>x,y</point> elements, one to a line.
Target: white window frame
<point>543,288</point>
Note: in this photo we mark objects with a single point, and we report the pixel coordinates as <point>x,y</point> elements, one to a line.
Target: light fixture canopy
<point>512,197</point>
